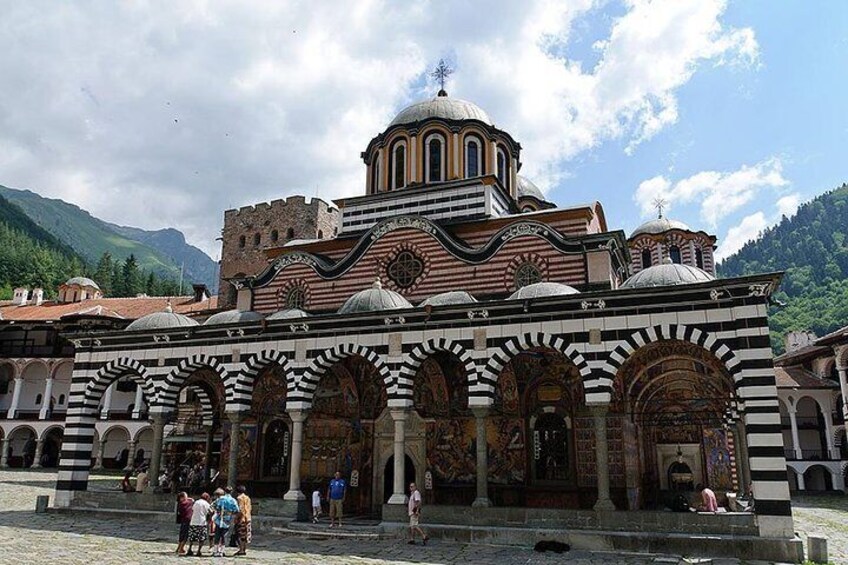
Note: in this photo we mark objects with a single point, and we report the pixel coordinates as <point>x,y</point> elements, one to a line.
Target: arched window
<point>376,174</point>
<point>275,235</point>
<point>399,165</point>
<point>257,239</point>
<point>242,241</point>
<point>38,399</point>
<point>290,233</point>
<point>503,167</point>
<point>646,258</point>
<point>699,258</point>
<point>473,166</point>
<point>320,234</point>
<point>61,399</point>
<point>435,158</point>
<point>674,254</point>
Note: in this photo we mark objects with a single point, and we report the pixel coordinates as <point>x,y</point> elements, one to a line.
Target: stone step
<point>322,530</point>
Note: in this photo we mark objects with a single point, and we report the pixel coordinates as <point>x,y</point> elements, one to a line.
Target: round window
<point>405,269</point>
<point>527,273</point>
<point>296,297</point>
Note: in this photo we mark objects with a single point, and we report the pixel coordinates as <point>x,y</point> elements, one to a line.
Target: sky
<point>165,114</point>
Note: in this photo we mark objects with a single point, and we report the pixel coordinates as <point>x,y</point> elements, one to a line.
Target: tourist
<point>415,515</point>
<point>245,531</point>
<point>316,505</point>
<point>225,507</point>
<point>201,516</point>
<point>708,499</point>
<point>185,508</point>
<point>141,480</point>
<point>336,494</point>
<point>126,483</point>
<point>240,533</point>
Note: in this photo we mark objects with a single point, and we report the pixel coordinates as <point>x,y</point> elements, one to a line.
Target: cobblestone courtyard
<point>26,537</point>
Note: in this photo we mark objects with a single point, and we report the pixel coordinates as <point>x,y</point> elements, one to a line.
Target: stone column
<point>827,414</point>
<point>399,417</point>
<point>413,160</point>
<point>139,400</point>
<point>297,418</point>
<point>210,438</point>
<point>132,447</point>
<point>39,447</point>
<point>602,459</point>
<point>796,442</point>
<point>482,500</point>
<point>107,402</point>
<point>45,403</point>
<point>98,461</point>
<point>156,455</point>
<point>4,454</point>
<point>16,398</point>
<point>801,485</point>
<point>843,387</point>
<point>232,467</point>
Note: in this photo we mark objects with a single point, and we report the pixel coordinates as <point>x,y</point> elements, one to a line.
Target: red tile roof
<point>125,308</point>
<point>798,377</point>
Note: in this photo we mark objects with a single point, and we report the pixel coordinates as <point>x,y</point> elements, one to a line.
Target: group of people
<point>336,491</point>
<point>218,522</point>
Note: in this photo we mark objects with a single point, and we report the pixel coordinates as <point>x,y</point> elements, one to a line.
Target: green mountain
<point>30,255</point>
<point>163,252</point>
<point>812,247</point>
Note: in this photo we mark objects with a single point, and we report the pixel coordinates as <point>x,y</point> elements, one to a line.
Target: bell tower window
<point>399,166</point>
<point>435,158</point>
<point>674,254</point>
<point>472,158</point>
<point>699,258</point>
<point>376,172</point>
<point>502,167</point>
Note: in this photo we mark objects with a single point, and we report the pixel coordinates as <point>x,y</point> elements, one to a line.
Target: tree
<point>133,282</point>
<point>103,274</point>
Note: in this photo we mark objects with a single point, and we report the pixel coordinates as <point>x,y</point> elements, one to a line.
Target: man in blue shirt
<point>225,508</point>
<point>336,495</point>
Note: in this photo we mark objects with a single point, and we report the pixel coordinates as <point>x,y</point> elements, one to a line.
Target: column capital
<point>480,411</point>
<point>399,414</point>
<point>599,410</point>
<point>235,417</point>
<point>298,416</point>
<point>158,418</point>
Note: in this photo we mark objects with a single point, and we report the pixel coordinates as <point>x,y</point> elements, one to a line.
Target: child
<point>316,505</point>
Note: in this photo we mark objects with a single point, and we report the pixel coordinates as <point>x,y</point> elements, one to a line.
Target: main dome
<point>659,225</point>
<point>374,299</point>
<point>442,106</point>
<point>526,187</point>
<point>667,274</point>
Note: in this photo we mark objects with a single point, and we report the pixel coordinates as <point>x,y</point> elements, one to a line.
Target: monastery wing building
<point>454,327</point>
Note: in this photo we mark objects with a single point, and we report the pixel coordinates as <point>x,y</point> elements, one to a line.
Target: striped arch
<point>319,367</point>
<point>240,386</point>
<point>670,332</point>
<point>111,372</point>
<point>517,344</point>
<point>412,362</point>
<point>206,411</point>
<point>174,381</point>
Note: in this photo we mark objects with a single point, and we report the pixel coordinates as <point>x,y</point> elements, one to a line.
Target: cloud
<point>788,205</point>
<point>750,227</point>
<point>166,113</point>
<point>719,193</point>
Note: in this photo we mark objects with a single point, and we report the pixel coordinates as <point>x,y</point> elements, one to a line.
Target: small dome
<point>667,274</point>
<point>82,281</point>
<point>232,317</point>
<point>449,298</point>
<point>540,289</point>
<point>162,321</point>
<point>443,107</point>
<point>527,188</point>
<point>659,225</point>
<point>287,314</point>
<point>374,299</point>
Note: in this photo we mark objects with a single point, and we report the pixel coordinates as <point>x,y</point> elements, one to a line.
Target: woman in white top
<point>199,525</point>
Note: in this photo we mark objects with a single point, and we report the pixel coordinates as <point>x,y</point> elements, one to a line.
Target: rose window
<point>296,297</point>
<point>405,269</point>
<point>526,274</point>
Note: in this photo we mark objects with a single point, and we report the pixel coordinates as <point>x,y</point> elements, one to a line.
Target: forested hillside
<point>812,247</point>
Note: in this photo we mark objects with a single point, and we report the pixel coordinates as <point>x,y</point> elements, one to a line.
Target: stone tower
<point>249,231</point>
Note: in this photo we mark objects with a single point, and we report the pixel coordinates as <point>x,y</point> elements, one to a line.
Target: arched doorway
<point>116,451</point>
<point>389,476</point>
<point>52,446</point>
<point>22,444</point>
<point>676,399</point>
<point>339,434</point>
<point>269,465</point>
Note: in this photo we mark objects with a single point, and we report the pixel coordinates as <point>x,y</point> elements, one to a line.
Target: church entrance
<point>389,476</point>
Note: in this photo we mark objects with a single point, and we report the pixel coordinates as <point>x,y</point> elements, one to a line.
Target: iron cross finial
<point>442,72</point>
<point>660,204</point>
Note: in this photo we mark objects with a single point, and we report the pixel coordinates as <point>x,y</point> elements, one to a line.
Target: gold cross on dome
<point>660,203</point>
<point>442,72</point>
